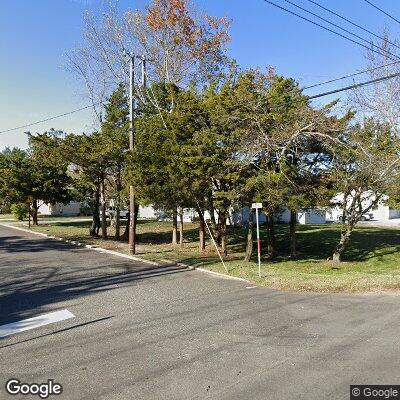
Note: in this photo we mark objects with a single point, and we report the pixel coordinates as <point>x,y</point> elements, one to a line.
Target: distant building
<point>312,216</point>
<point>70,209</point>
<point>382,212</point>
<point>240,216</point>
<point>147,212</point>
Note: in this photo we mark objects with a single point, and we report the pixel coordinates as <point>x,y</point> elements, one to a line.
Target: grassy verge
<point>7,217</point>
<point>372,262</point>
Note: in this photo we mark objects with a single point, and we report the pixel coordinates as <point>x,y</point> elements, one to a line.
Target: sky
<point>35,36</point>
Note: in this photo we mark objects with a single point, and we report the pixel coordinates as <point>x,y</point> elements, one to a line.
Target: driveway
<point>145,332</point>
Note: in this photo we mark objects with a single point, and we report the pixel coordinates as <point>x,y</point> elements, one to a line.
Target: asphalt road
<point>142,332</point>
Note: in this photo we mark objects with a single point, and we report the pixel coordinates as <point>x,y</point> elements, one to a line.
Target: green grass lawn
<point>372,261</point>
<point>6,217</point>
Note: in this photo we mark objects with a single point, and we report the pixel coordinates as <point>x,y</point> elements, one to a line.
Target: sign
<point>256,205</point>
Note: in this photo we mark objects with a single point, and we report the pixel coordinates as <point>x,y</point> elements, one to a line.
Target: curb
<point>224,276</point>
<point>116,253</point>
<point>79,244</point>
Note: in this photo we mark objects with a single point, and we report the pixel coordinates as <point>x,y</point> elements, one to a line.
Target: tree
<point>363,169</point>
<point>116,127</point>
<point>212,155</point>
<point>381,99</point>
<point>182,45</point>
<point>155,169</point>
<point>26,177</point>
<point>286,139</point>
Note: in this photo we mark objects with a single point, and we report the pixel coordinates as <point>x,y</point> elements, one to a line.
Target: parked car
<point>111,212</point>
<point>364,217</point>
<point>367,217</point>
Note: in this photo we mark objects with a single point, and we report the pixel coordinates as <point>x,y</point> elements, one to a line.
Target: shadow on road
<point>37,273</point>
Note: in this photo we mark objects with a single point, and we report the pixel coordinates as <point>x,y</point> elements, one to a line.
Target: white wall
<point>333,214</point>
<point>147,212</point>
<point>70,209</point>
<point>381,213</point>
<point>312,216</point>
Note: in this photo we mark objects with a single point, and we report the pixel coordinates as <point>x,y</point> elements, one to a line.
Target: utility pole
<point>144,80</point>
<point>132,201</point>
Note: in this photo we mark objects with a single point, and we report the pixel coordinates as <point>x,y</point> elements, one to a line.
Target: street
<point>146,332</point>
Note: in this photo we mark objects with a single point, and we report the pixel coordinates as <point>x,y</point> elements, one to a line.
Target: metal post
<point>132,205</point>
<point>258,244</point>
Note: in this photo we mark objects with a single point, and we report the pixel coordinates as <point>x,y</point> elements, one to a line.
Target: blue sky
<point>35,35</point>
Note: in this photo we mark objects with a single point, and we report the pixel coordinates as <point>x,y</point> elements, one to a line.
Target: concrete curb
<point>224,276</point>
<point>126,256</point>
<point>79,244</point>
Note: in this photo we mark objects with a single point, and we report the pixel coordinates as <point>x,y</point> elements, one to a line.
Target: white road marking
<point>35,322</point>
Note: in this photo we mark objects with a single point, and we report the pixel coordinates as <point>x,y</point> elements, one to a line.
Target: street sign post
<point>258,206</point>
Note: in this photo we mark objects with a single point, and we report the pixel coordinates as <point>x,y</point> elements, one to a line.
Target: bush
<point>20,211</point>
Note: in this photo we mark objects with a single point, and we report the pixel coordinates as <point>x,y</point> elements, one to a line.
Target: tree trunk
<point>271,236</point>
<point>249,245</point>
<point>103,211</point>
<point>181,227</point>
<point>216,231</point>
<point>344,241</point>
<point>117,221</point>
<point>174,227</point>
<point>223,234</point>
<point>94,228</point>
<point>202,232</point>
<point>292,234</point>
<point>34,212</point>
<point>125,235</point>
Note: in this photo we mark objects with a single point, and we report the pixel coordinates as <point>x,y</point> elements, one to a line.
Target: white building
<point>147,212</point>
<point>312,216</point>
<point>240,217</point>
<point>382,212</point>
<point>70,209</point>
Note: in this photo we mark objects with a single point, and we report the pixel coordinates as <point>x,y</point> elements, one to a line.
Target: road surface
<point>142,332</point>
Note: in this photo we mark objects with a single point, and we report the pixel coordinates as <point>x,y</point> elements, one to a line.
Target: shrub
<point>20,211</point>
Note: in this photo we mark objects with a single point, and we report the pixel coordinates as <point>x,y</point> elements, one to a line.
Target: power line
<point>351,75</point>
<point>328,29</point>
<point>49,118</point>
<point>382,11</point>
<point>335,25</point>
<point>308,87</point>
<point>353,23</point>
<point>357,85</point>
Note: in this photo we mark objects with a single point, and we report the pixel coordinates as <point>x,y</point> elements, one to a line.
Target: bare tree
<point>380,100</point>
<point>365,168</point>
<point>181,44</point>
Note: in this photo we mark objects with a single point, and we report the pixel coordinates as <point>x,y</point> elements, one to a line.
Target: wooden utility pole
<point>132,201</point>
